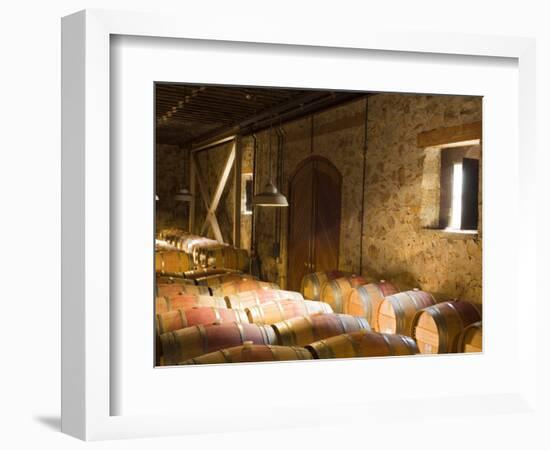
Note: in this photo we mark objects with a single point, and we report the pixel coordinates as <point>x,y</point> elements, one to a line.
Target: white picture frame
<point>90,318</point>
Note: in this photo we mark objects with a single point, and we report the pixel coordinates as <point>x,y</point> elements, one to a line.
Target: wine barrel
<point>161,279</point>
<point>278,310</point>
<point>217,280</point>
<point>175,289</point>
<point>201,273</point>
<point>162,245</point>
<point>197,248</point>
<point>252,353</point>
<point>361,344</point>
<point>197,315</point>
<point>471,339</point>
<point>396,312</point>
<point>191,242</point>
<point>247,299</point>
<point>304,330</point>
<point>364,301</point>
<point>168,233</point>
<point>234,287</point>
<point>313,282</point>
<point>172,262</point>
<point>335,292</point>
<point>224,256</point>
<point>437,328</point>
<point>164,304</point>
<point>190,342</point>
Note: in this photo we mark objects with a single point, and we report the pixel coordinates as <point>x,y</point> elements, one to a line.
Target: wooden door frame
<point>299,166</point>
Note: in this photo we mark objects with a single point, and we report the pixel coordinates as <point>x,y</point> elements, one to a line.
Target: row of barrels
<point>182,344</point>
<point>185,334</point>
<point>262,306</point>
<point>179,251</point>
<point>237,311</point>
<point>184,241</point>
<point>180,304</point>
<point>223,285</point>
<point>436,326</point>
<point>360,343</point>
<point>170,261</point>
<point>447,327</point>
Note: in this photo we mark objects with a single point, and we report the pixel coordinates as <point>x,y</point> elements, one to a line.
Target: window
<point>451,187</point>
<point>459,185</point>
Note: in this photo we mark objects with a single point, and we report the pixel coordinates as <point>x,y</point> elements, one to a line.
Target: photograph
<point>285,225</point>
<point>302,224</point>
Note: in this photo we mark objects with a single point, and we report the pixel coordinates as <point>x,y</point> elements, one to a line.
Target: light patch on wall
<point>456,212</point>
<point>246,194</point>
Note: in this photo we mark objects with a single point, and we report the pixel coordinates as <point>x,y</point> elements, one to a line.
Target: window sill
<point>451,234</point>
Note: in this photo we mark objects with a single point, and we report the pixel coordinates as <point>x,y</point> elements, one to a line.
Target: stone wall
<point>397,246</point>
<point>171,169</point>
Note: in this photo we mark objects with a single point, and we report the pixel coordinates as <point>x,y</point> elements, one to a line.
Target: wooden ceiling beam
<point>203,100</point>
<point>263,121</point>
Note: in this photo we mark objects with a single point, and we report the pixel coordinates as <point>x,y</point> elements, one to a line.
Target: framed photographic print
<point>335,228</point>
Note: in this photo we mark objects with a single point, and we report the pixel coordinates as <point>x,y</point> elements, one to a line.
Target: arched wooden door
<point>314,219</point>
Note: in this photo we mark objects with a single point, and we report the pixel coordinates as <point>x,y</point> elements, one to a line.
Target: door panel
<point>300,231</point>
<point>314,220</point>
<point>327,217</point>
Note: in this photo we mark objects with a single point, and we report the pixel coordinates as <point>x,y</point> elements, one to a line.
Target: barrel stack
<point>233,317</point>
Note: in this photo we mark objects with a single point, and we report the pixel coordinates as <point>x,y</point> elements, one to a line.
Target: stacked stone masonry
<point>385,236</point>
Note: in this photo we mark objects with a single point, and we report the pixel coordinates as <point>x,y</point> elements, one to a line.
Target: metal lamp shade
<point>270,196</point>
<point>183,196</point>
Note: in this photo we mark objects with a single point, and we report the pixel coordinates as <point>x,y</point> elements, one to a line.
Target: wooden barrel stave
<point>363,344</point>
<point>234,287</point>
<point>197,315</point>
<point>188,301</point>
<point>278,310</point>
<point>365,300</point>
<point>165,279</point>
<point>438,327</point>
<point>335,292</point>
<point>303,330</point>
<point>252,353</point>
<point>247,299</point>
<point>217,280</point>
<point>313,282</point>
<point>176,289</point>
<point>181,345</point>
<point>172,262</point>
<point>201,273</point>
<point>224,256</point>
<point>397,311</point>
<point>162,245</point>
<point>471,339</point>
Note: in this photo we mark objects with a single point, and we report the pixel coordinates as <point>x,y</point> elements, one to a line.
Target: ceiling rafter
<point>191,114</point>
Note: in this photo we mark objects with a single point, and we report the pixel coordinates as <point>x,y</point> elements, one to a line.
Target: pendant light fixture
<point>183,195</point>
<point>270,196</point>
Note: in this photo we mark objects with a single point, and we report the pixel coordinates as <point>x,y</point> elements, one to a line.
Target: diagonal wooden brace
<point>212,205</point>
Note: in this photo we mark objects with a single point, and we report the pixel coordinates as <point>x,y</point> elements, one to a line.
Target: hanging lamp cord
<point>269,152</point>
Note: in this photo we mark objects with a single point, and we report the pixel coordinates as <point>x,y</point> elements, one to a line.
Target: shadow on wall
<point>449,290</point>
<point>404,281</point>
